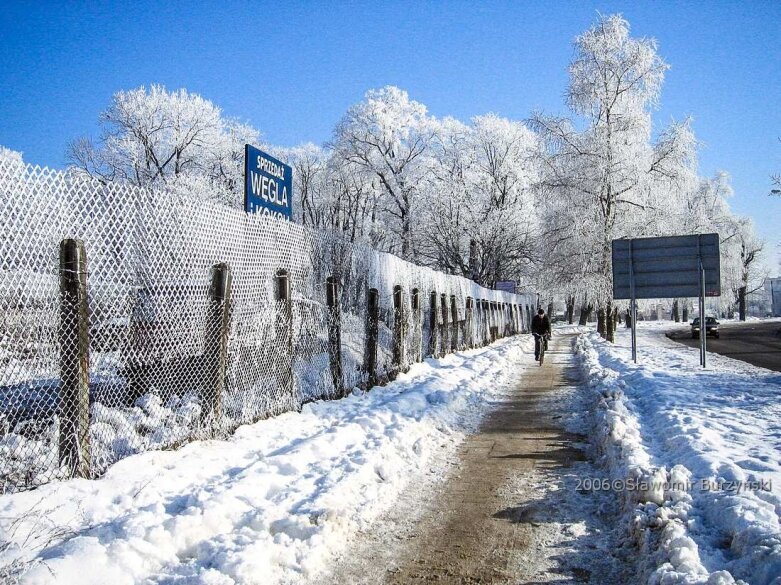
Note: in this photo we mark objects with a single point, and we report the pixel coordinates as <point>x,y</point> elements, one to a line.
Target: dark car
<point>711,327</point>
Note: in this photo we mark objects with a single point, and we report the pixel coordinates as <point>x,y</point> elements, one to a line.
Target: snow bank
<point>566,328</point>
<point>272,504</point>
<point>695,455</point>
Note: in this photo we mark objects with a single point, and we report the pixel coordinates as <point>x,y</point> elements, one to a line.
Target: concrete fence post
<point>487,312</point>
<point>335,335</point>
<point>372,332</point>
<point>511,317</point>
<point>445,338</point>
<point>216,342</point>
<point>510,322</point>
<point>432,323</point>
<point>521,319</point>
<point>479,322</point>
<point>399,332</point>
<point>469,324</point>
<point>73,411</point>
<point>284,333</point>
<point>456,325</point>
<point>491,319</point>
<point>417,329</point>
<point>485,334</point>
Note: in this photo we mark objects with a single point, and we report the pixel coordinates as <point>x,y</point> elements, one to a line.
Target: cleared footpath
<point>510,510</point>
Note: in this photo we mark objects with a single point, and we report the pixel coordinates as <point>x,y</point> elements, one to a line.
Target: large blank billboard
<point>666,267</point>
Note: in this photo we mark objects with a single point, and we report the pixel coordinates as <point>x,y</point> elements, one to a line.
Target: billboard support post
<point>667,267</point>
<point>632,303</point>
<point>703,324</point>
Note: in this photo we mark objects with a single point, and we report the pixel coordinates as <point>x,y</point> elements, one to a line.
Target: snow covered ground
<point>698,454</point>
<point>270,505</point>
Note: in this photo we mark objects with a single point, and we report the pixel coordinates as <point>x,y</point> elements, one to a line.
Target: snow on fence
<point>135,319</point>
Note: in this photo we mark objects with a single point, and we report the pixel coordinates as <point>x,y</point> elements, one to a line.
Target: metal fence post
<point>417,329</point>
<point>372,331</point>
<point>703,318</point>
<point>398,330</point>
<point>284,333</point>
<point>74,447</point>
<point>216,342</point>
<point>432,323</point>
<point>335,335</point>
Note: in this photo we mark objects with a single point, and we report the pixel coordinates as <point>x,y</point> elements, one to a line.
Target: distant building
<point>773,287</point>
<point>766,301</point>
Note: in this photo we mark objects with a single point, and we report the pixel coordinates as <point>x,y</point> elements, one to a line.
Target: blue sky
<point>292,68</point>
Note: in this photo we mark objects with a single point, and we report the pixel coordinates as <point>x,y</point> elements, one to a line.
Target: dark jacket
<point>540,325</point>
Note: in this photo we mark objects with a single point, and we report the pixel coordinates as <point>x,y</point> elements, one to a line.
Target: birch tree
<point>603,176</point>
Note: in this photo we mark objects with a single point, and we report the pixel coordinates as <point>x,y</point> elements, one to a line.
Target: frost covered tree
<point>506,168</point>
<point>153,137</point>
<point>741,268</point>
<point>313,201</point>
<point>604,182</point>
<point>776,182</point>
<point>16,233</point>
<point>445,242</point>
<point>385,137</point>
<point>479,211</point>
<point>9,156</point>
<point>706,209</point>
<point>751,276</point>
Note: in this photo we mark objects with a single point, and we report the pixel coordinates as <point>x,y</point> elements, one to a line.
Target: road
<point>757,343</point>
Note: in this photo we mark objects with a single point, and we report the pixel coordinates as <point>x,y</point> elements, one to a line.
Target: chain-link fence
<point>135,319</point>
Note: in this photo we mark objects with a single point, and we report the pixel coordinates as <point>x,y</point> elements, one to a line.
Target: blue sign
<point>268,185</point>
